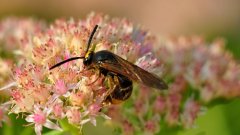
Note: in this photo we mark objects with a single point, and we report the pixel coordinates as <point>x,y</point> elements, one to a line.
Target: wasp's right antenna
<point>91,37</point>
<point>74,58</point>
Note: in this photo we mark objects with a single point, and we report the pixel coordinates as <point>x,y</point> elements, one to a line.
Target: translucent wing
<point>134,72</point>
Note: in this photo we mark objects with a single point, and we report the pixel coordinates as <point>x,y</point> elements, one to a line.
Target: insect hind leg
<point>112,85</point>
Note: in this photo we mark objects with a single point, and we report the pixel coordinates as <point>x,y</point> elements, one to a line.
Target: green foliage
<point>68,128</point>
<point>218,120</point>
<point>16,127</point>
<point>4,54</point>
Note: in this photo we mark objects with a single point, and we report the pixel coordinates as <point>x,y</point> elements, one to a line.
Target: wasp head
<point>88,58</point>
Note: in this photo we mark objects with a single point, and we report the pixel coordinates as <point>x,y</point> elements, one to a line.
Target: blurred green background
<point>209,18</point>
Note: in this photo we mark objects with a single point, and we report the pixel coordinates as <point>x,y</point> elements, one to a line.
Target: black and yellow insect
<point>119,72</point>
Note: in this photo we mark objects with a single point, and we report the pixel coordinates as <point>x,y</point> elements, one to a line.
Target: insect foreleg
<point>98,76</point>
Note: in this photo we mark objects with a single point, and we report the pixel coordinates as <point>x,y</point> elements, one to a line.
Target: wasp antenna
<point>65,61</point>
<point>91,37</point>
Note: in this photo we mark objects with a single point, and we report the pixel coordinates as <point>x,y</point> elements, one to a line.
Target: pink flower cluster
<point>69,91</point>
<point>197,73</point>
<point>16,35</point>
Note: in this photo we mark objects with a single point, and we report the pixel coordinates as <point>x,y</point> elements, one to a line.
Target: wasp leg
<point>113,83</point>
<point>99,74</point>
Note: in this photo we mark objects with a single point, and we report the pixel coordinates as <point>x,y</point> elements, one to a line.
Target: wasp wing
<point>133,72</point>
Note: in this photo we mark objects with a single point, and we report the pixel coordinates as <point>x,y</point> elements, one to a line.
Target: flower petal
<point>8,86</point>
<point>105,116</point>
<point>52,125</point>
<point>93,121</point>
<point>84,121</point>
<point>38,129</point>
<point>29,118</point>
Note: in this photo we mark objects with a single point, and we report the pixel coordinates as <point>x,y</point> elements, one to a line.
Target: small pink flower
<point>173,110</point>
<point>58,110</point>
<point>179,85</point>
<point>160,104</point>
<point>139,106</point>
<point>60,87</point>
<point>67,56</point>
<point>128,128</point>
<point>77,99</point>
<point>150,126</point>
<point>191,110</point>
<point>94,109</point>
<point>74,115</point>
<point>17,96</point>
<point>40,119</point>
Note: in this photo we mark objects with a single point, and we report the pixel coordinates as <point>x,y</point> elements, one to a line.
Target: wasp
<point>119,72</point>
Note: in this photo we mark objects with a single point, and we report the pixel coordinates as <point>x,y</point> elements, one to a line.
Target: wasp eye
<point>87,61</point>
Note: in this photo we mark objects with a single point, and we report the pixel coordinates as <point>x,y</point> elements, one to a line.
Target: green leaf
<point>27,131</point>
<point>148,115</point>
<point>117,131</point>
<point>55,132</point>
<point>69,128</point>
<point>16,126</point>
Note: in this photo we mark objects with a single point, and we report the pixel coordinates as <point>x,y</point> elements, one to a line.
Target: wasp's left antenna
<point>65,61</point>
<point>91,37</point>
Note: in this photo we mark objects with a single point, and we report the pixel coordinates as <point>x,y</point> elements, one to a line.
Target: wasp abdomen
<point>122,91</point>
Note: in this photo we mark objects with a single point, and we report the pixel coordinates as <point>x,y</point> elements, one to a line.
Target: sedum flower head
<point>197,73</point>
<point>69,91</point>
